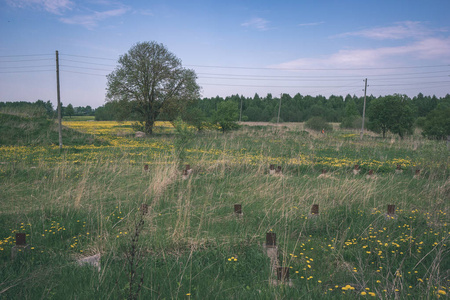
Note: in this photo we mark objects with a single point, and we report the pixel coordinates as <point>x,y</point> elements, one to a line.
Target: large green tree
<point>391,113</point>
<point>154,79</point>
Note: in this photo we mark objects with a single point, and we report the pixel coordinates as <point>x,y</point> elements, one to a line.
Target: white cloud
<point>257,23</point>
<point>144,12</point>
<point>401,30</point>
<point>426,49</point>
<point>90,21</point>
<point>52,6</point>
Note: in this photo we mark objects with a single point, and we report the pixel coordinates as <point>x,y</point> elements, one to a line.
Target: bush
<point>353,122</point>
<point>437,124</point>
<point>318,123</point>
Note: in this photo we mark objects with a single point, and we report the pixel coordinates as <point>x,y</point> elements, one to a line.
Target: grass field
<point>86,199</point>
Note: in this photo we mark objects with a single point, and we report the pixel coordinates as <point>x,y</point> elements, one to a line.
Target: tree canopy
<point>391,113</point>
<point>154,80</point>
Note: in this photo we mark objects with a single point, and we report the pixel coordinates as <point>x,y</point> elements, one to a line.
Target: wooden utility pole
<point>279,109</point>
<point>240,113</point>
<point>364,109</point>
<point>59,101</point>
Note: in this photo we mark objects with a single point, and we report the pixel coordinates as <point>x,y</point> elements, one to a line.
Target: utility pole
<point>59,101</point>
<point>364,109</point>
<point>279,109</point>
<point>240,113</point>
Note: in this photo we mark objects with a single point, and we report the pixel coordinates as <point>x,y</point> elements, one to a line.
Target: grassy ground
<point>86,200</point>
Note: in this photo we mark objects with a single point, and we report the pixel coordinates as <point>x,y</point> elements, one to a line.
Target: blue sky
<point>236,47</point>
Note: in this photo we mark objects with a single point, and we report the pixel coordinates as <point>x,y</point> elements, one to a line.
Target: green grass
<point>32,131</point>
<point>78,118</point>
<point>191,243</point>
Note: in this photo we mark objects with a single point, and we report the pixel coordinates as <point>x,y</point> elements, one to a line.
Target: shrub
<point>353,122</point>
<point>318,123</point>
<point>437,124</point>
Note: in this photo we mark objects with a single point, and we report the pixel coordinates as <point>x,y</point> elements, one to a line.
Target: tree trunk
<point>149,127</point>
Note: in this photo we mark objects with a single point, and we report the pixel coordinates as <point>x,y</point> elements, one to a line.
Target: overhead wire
<point>83,62</point>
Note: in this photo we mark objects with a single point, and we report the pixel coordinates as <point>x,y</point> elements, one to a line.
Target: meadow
<point>86,200</point>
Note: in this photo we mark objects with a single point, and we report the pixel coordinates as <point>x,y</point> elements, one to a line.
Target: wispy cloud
<point>426,49</point>
<point>401,30</point>
<point>144,12</point>
<point>310,24</point>
<point>52,6</point>
<point>91,20</point>
<point>257,23</point>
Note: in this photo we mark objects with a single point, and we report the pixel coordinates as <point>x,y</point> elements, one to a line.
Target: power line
<point>85,68</point>
<point>415,83</point>
<point>24,55</point>
<point>66,71</point>
<point>279,86</point>
<point>21,60</point>
<point>318,79</point>
<point>356,77</point>
<point>318,69</point>
<point>89,63</point>
<point>33,71</point>
<point>21,67</point>
<point>92,57</point>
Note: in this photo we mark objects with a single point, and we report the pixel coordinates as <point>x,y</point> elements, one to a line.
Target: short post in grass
<point>391,209</point>
<point>20,246</point>
<point>399,170</point>
<point>21,239</point>
<point>283,274</point>
<point>185,175</point>
<point>272,169</point>
<point>391,212</point>
<point>370,175</point>
<point>356,170</point>
<point>144,208</point>
<point>238,210</point>
<point>188,169</point>
<point>417,174</point>
<point>278,171</point>
<point>146,168</point>
<point>314,210</point>
<point>271,239</point>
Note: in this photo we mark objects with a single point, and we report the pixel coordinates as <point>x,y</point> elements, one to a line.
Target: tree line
<point>42,108</point>
<point>396,113</point>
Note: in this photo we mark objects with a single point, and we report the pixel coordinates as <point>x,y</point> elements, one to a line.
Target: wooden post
<point>283,273</point>
<point>271,239</point>
<point>20,246</point>
<point>238,209</point>
<point>315,209</point>
<point>146,168</point>
<point>391,210</point>
<point>272,169</point>
<point>21,239</point>
<point>278,170</point>
<point>144,209</point>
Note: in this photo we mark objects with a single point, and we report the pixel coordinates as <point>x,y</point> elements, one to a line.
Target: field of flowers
<point>86,200</point>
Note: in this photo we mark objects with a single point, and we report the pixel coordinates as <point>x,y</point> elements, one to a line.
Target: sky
<point>240,47</point>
